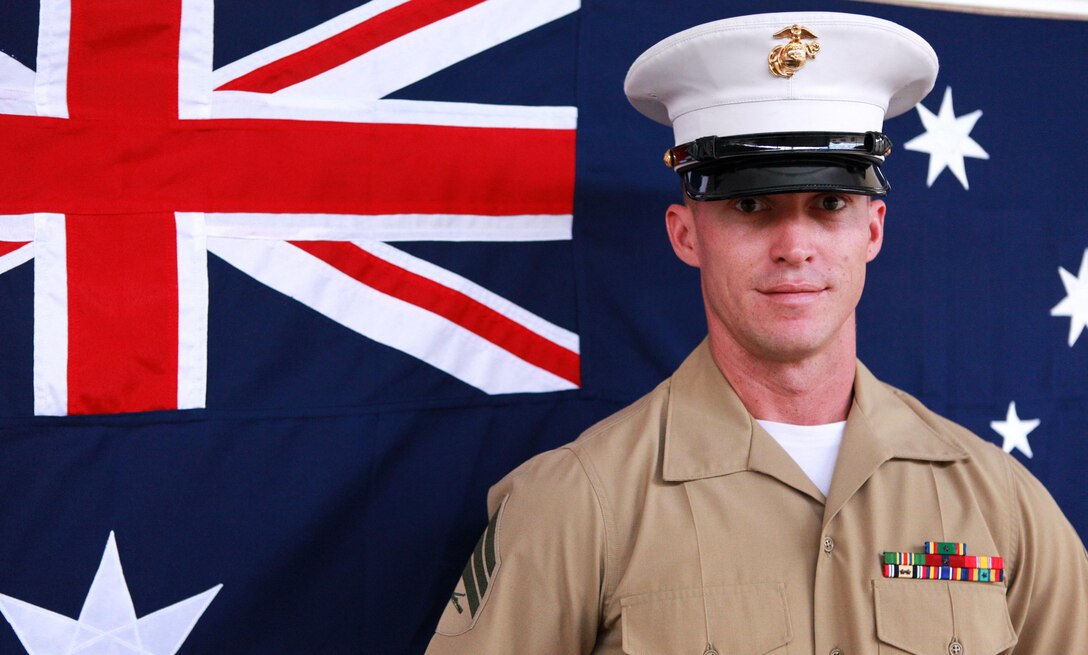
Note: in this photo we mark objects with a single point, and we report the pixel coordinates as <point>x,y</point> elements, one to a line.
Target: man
<point>773,496</point>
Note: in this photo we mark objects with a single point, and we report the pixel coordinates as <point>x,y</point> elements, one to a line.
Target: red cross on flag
<point>127,159</point>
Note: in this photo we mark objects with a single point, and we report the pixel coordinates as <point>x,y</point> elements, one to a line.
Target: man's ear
<point>877,208</point>
<point>680,223</point>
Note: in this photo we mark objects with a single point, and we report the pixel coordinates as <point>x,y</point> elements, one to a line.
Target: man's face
<point>781,274</point>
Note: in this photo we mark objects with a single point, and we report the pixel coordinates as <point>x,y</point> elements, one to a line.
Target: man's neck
<point>814,390</point>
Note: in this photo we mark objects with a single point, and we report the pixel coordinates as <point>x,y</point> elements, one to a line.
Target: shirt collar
<point>709,432</point>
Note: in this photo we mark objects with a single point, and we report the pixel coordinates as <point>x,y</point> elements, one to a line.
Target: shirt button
<point>829,545</point>
<point>955,648</point>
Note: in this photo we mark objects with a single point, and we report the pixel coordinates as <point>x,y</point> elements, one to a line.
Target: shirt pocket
<point>924,617</point>
<point>745,619</point>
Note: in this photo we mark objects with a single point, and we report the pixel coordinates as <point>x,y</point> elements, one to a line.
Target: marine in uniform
<point>772,496</point>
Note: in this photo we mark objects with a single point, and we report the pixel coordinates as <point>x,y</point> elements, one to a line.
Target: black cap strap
<point>871,145</point>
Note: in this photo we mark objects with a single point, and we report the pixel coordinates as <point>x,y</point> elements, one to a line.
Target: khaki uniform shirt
<point>680,522</point>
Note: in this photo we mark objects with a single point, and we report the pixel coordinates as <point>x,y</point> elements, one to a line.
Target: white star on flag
<point>947,140</point>
<point>1075,303</point>
<point>1015,431</point>
<point>107,623</point>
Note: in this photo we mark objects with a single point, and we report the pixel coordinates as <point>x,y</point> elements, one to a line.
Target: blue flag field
<point>285,287</point>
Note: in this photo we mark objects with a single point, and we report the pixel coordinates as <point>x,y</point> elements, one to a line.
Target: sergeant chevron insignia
<point>474,588</point>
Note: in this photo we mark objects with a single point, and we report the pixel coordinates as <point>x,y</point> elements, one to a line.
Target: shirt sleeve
<point>1048,590</point>
<point>533,583</point>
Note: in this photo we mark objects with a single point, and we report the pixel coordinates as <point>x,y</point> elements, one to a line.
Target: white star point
<point>948,140</point>
<point>107,623</point>
<point>1075,303</point>
<point>1015,431</point>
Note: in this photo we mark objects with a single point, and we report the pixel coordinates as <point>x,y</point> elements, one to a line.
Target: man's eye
<point>832,203</point>
<point>748,205</point>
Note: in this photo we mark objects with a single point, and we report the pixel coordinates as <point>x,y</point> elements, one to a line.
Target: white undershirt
<point>814,447</point>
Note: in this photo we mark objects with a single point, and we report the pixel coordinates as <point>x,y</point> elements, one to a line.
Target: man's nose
<point>793,240</point>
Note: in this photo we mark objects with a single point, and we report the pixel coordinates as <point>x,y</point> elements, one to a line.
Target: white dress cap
<point>716,80</point>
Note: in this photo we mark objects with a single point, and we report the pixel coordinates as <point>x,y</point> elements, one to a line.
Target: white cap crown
<point>716,79</point>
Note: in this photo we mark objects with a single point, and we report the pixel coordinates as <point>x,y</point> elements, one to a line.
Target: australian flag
<point>286,286</point>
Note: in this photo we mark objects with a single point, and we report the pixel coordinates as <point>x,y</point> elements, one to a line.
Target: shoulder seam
<point>1014,528</point>
<point>590,471</point>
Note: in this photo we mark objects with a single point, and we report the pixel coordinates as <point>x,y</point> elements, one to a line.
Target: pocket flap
<point>923,617</point>
<point>744,618</point>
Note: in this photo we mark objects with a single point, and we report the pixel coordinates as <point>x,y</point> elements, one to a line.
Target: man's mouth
<point>793,292</point>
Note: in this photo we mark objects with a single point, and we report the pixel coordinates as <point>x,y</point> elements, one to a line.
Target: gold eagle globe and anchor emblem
<point>788,58</point>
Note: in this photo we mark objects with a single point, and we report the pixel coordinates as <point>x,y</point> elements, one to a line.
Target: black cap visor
<point>739,177</point>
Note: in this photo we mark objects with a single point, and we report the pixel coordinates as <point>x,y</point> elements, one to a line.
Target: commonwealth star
<point>947,139</point>
<point>107,624</point>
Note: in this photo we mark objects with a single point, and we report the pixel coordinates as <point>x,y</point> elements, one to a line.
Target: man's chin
<point>792,346</point>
